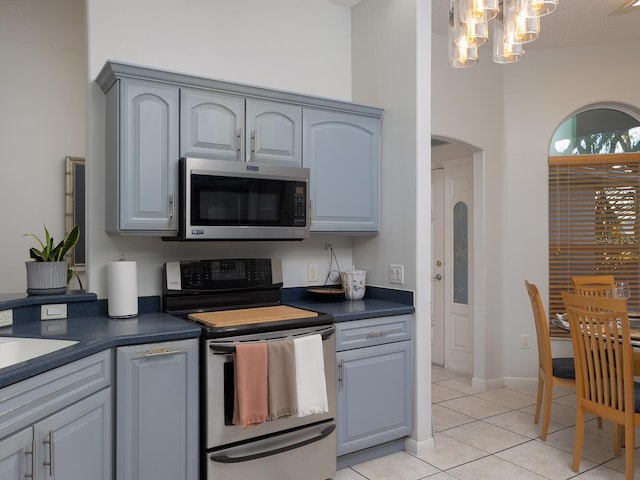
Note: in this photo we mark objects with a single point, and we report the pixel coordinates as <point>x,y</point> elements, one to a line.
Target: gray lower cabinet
<point>157,411</point>
<point>342,151</point>
<point>142,157</point>
<point>72,443</point>
<point>374,382</point>
<point>59,424</point>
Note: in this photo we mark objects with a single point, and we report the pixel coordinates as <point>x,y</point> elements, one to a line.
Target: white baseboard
<point>417,448</point>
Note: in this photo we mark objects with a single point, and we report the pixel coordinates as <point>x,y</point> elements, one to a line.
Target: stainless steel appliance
<point>238,300</point>
<point>221,199</point>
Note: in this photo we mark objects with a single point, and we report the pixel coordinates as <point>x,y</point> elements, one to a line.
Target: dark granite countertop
<point>378,302</point>
<point>94,331</point>
<point>93,334</point>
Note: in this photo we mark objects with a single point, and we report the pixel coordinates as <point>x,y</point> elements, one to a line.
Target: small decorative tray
<point>327,292</point>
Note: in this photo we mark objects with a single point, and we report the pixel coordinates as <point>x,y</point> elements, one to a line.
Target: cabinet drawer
<point>26,402</point>
<point>372,331</point>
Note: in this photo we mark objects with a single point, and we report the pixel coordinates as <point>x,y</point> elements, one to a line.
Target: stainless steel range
<point>238,302</point>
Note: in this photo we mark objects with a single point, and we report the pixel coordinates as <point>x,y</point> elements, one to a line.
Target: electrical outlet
<point>396,274</point>
<point>312,272</point>
<point>51,312</point>
<point>6,318</point>
<point>524,341</point>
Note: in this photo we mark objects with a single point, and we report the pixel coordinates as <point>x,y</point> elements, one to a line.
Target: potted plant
<point>48,272</point>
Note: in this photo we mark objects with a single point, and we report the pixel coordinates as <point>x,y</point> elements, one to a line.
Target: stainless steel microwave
<point>227,200</point>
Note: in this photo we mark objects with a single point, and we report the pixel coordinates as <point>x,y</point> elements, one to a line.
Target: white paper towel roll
<point>122,285</point>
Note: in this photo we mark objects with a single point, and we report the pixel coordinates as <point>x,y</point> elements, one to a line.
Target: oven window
<point>229,201</point>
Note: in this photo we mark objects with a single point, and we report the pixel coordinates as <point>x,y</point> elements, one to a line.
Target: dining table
<point>560,321</point>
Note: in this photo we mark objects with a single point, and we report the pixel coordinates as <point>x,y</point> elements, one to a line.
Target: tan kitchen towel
<point>283,398</point>
<point>310,381</point>
<point>251,386</point>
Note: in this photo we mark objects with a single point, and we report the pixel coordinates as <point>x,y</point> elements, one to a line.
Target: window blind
<point>594,202</point>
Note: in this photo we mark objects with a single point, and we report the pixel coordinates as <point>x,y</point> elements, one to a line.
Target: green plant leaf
<point>68,243</point>
<point>47,251</point>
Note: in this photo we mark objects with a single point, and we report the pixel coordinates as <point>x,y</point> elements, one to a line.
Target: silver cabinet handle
<point>239,143</point>
<point>253,145</point>
<point>50,462</point>
<point>341,373</point>
<point>171,212</point>
<point>32,476</point>
<point>379,333</point>
<point>437,277</point>
<point>160,353</point>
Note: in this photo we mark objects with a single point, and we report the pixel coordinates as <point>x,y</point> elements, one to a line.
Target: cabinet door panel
<point>76,442</point>
<point>211,125</point>
<point>15,459</point>
<point>149,157</point>
<point>274,133</point>
<point>157,422</point>
<point>374,396</point>
<point>343,153</point>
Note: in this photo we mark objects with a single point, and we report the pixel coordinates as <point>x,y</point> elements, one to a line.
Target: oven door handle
<point>326,334</point>
<point>223,458</point>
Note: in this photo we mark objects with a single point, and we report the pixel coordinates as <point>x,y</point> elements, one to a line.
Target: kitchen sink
<point>14,350</point>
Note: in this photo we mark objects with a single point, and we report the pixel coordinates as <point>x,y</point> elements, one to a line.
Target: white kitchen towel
<point>310,380</point>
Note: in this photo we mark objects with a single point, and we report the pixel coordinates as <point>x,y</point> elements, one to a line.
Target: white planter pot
<point>46,278</point>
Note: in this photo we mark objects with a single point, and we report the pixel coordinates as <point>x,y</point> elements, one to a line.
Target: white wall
<point>297,45</point>
<point>41,122</point>
<point>510,113</point>
<point>468,105</point>
<point>540,92</point>
<point>391,55</point>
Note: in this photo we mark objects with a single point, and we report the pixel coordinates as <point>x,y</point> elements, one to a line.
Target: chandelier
<point>515,22</point>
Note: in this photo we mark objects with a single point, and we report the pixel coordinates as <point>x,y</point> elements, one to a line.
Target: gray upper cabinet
<point>154,116</point>
<point>274,133</point>
<point>342,150</point>
<point>215,125</point>
<point>142,157</point>
<point>211,125</point>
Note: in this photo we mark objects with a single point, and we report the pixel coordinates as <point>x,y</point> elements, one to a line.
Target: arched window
<point>594,201</point>
<point>596,131</point>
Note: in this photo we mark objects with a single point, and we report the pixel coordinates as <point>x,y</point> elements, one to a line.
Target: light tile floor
<point>491,435</point>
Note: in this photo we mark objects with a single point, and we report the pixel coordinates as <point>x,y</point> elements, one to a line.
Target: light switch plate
<point>396,274</point>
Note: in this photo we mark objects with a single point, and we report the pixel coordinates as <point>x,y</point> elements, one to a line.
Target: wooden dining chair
<point>603,353</point>
<point>593,285</point>
<point>552,372</point>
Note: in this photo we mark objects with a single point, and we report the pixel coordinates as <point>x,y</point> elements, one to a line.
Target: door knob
<point>437,277</point>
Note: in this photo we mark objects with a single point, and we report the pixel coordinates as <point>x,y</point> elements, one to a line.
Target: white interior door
<point>437,267</point>
<point>458,227</point>
<point>451,260</point>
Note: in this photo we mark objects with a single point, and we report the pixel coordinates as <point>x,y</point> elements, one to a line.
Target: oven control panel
<point>222,274</point>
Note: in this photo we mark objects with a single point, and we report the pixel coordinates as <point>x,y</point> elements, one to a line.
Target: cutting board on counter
<point>245,316</point>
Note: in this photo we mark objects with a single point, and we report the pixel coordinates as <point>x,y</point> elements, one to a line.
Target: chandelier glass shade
<point>462,52</point>
<point>535,8</point>
<point>470,20</point>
